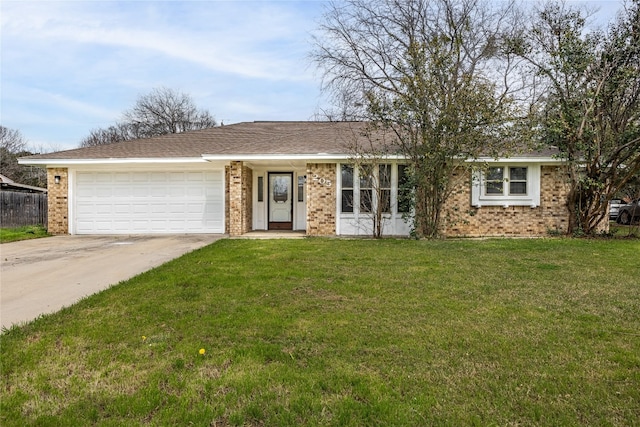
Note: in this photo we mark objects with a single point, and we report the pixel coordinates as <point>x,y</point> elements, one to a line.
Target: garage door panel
<point>149,202</point>
<point>103,209</point>
<point>121,177</point>
<point>139,208</point>
<point>103,225</point>
<point>175,209</point>
<point>175,191</point>
<point>158,177</point>
<point>103,178</point>
<point>85,191</point>
<point>140,226</point>
<point>194,192</point>
<point>156,191</point>
<point>83,209</point>
<point>121,225</point>
<point>120,208</point>
<point>103,192</point>
<point>138,191</point>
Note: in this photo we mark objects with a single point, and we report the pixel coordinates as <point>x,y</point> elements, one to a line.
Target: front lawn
<point>624,231</point>
<point>22,233</point>
<point>337,332</point>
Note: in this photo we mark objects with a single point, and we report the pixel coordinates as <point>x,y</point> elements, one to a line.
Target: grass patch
<point>22,233</point>
<point>624,231</point>
<point>344,332</point>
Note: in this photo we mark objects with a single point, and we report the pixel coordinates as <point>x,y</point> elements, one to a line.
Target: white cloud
<point>234,40</point>
<point>70,66</point>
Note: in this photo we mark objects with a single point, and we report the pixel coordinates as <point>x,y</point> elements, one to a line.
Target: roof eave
<point>109,161</point>
<point>23,187</point>
<point>290,157</point>
<point>318,157</point>
<point>519,159</point>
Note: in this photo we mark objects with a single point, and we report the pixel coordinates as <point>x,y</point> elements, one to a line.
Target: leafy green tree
<point>430,72</point>
<point>591,104</point>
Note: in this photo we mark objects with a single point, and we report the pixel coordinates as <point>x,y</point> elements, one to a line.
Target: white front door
<point>280,201</point>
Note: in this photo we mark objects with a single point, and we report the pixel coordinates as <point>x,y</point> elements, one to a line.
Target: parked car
<point>629,212</point>
<point>614,207</point>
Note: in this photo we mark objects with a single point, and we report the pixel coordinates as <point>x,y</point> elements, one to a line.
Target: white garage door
<point>149,202</point>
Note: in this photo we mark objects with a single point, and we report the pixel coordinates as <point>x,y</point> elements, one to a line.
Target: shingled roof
<point>242,139</point>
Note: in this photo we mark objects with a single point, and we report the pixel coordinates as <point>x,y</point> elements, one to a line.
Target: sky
<point>67,67</point>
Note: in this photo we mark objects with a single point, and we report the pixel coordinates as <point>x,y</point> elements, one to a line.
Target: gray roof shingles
<point>247,138</point>
<point>242,138</point>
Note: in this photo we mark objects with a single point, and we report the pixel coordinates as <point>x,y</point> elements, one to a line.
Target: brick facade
<point>461,219</point>
<point>238,197</point>
<point>464,220</point>
<point>58,201</point>
<point>321,199</point>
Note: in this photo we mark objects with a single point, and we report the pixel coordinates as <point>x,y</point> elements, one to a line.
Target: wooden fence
<point>19,209</point>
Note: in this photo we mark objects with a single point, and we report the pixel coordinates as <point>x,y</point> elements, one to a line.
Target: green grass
<point>542,332</point>
<point>22,233</point>
<point>624,231</point>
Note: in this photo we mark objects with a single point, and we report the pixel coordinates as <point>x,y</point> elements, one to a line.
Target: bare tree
<point>343,109</point>
<point>430,71</point>
<point>166,111</point>
<point>12,146</point>
<point>162,111</point>
<point>115,133</point>
<point>11,140</point>
<point>12,143</point>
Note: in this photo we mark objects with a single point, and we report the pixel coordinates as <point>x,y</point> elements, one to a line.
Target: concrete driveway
<point>44,275</point>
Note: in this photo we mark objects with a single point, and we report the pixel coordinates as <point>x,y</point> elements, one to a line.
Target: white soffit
<point>110,161</point>
<point>515,160</point>
<point>301,157</point>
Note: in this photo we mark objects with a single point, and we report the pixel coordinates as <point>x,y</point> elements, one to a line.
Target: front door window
<point>280,201</point>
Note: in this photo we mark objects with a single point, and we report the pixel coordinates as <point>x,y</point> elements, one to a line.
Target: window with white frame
<point>366,187</point>
<point>404,189</point>
<point>384,183</point>
<point>302,179</point>
<point>517,180</point>
<point>506,185</point>
<point>346,179</point>
<point>506,181</point>
<point>375,188</point>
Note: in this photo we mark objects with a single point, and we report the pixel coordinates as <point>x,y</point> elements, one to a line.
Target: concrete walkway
<point>44,275</point>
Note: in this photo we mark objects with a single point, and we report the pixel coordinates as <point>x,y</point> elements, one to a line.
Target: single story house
<point>238,178</point>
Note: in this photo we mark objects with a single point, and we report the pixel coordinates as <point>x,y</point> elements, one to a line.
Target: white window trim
<point>532,198</point>
<point>393,209</point>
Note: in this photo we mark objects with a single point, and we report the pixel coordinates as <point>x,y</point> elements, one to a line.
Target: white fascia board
<point>110,161</point>
<point>258,157</point>
<point>313,157</point>
<point>552,160</point>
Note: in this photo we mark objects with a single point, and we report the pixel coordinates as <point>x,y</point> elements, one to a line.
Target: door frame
<point>279,225</point>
